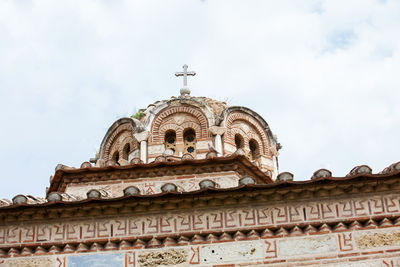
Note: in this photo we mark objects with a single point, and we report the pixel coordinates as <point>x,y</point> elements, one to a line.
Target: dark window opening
<point>239,142</point>
<point>189,137</point>
<point>170,140</point>
<point>170,137</point>
<point>115,157</point>
<point>126,151</point>
<point>254,150</point>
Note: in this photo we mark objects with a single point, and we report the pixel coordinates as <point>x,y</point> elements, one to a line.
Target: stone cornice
<point>202,238</point>
<point>288,192</point>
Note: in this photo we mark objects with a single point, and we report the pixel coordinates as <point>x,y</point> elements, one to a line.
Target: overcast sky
<point>325,75</point>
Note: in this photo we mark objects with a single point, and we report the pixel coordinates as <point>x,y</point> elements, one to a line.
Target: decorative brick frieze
<point>284,219</point>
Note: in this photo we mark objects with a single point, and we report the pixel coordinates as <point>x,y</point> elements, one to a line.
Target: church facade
<point>193,181</point>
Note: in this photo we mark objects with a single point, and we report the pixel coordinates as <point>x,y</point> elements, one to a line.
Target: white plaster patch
<point>155,149</point>
<point>372,263</point>
<point>231,252</point>
<point>202,144</point>
<point>201,155</point>
<point>134,154</point>
<point>309,245</point>
<point>229,148</point>
<point>267,162</point>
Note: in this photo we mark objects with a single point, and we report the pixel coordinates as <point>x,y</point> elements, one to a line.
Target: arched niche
<point>250,125</point>
<point>119,140</point>
<point>179,118</point>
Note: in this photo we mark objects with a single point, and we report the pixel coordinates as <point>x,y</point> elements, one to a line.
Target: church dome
<point>189,126</point>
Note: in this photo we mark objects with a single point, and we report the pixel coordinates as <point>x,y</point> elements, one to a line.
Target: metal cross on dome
<point>185,89</point>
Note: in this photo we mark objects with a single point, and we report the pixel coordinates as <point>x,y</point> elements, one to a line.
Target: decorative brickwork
<point>178,123</point>
<point>281,219</point>
<point>223,229</point>
<point>178,118</point>
<point>195,204</point>
<point>249,128</point>
<point>174,117</point>
<point>117,141</point>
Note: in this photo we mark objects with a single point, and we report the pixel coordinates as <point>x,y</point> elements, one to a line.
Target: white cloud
<point>324,74</point>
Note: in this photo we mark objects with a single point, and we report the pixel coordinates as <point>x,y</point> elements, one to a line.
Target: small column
<point>180,146</point>
<point>143,151</point>
<point>218,132</point>
<point>275,154</point>
<point>276,171</point>
<point>218,143</point>
<point>142,139</point>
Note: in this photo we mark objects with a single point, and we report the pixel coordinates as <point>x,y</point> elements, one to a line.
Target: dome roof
<point>191,125</point>
<point>211,107</point>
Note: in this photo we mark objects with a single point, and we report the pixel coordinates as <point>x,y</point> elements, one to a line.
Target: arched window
<point>189,139</point>
<point>170,142</point>
<point>115,156</point>
<point>254,150</point>
<point>126,151</point>
<point>239,141</point>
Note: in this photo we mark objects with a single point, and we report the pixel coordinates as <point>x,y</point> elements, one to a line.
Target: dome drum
<point>188,126</point>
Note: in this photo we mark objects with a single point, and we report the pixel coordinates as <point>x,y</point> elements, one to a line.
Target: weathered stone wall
<point>361,247</point>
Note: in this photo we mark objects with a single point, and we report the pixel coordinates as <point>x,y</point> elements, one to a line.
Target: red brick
<point>274,261</point>
<point>348,255</point>
<point>358,259</point>
<point>372,252</point>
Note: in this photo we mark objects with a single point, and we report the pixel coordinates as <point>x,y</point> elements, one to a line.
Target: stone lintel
<point>142,136</point>
<point>217,130</point>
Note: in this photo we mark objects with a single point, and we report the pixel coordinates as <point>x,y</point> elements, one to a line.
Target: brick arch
<point>247,136</point>
<point>111,144</point>
<point>237,116</point>
<point>257,153</point>
<point>168,127</point>
<point>179,129</point>
<point>156,135</point>
<point>255,137</point>
<point>189,124</point>
<point>233,132</point>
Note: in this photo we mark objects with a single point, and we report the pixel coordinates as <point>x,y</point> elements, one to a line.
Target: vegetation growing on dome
<point>139,115</point>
